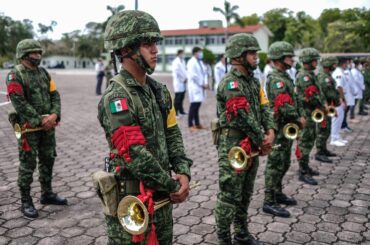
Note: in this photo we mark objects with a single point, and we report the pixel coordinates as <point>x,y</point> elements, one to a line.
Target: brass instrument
<point>291,131</point>
<point>18,130</point>
<point>133,214</point>
<point>317,116</point>
<point>239,160</point>
<point>331,111</point>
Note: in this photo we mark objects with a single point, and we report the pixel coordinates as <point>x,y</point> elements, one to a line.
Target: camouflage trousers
<point>323,135</point>
<point>306,143</point>
<point>163,224</point>
<point>233,199</point>
<point>42,146</point>
<point>278,163</point>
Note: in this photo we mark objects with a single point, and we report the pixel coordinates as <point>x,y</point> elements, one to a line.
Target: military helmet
<point>329,61</point>
<point>27,46</point>
<point>309,54</point>
<point>278,50</point>
<point>130,27</point>
<point>240,43</point>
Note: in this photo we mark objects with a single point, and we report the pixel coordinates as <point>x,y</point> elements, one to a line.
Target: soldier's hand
<point>49,122</point>
<point>183,192</point>
<point>267,142</point>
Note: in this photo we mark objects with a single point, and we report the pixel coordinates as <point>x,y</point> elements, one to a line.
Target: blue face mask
<point>200,55</point>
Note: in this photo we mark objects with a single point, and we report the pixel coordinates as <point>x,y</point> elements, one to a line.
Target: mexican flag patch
<point>279,84</point>
<point>11,76</point>
<point>232,85</point>
<point>306,78</point>
<point>118,105</point>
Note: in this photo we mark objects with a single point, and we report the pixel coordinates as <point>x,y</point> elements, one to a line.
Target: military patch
<point>279,84</point>
<point>53,87</point>
<point>306,78</point>
<point>263,97</point>
<point>232,85</point>
<point>171,118</point>
<point>11,76</point>
<point>118,105</point>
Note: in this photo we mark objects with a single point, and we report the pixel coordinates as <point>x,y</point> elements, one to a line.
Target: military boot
<point>313,172</point>
<point>224,239</point>
<point>329,153</point>
<point>275,209</point>
<point>245,240</point>
<point>320,156</point>
<point>307,178</point>
<point>28,209</point>
<point>281,198</point>
<point>52,198</point>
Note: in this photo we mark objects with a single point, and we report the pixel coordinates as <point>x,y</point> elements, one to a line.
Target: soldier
<point>36,100</point>
<point>308,90</point>
<point>280,91</point>
<point>244,111</point>
<point>139,121</point>
<point>332,98</point>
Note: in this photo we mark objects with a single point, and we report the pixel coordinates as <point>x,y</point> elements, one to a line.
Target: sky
<point>73,15</point>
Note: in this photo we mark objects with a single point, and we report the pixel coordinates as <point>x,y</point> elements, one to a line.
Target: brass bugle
<point>291,131</point>
<point>133,214</point>
<point>317,116</point>
<point>239,160</point>
<point>331,111</point>
<point>19,132</point>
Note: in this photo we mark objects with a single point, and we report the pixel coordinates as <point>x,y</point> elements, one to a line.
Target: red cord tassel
<point>152,238</point>
<point>298,152</point>
<point>138,238</point>
<point>323,123</point>
<point>25,146</point>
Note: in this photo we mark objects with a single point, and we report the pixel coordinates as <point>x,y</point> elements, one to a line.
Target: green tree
<point>253,19</point>
<point>229,14</point>
<point>328,16</point>
<point>277,20</point>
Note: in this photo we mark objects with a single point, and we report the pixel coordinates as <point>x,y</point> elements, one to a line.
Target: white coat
<point>359,82</point>
<point>197,79</point>
<point>219,71</point>
<point>353,91</point>
<point>179,75</point>
<point>343,81</point>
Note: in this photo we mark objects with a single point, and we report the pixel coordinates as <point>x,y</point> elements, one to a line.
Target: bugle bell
<point>18,130</point>
<point>133,214</point>
<point>317,116</point>
<point>239,160</point>
<point>331,111</point>
<point>291,131</point>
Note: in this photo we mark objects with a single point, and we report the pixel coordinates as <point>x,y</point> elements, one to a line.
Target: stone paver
<point>334,212</point>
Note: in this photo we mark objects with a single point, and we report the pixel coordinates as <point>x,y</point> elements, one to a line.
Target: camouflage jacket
<point>280,83</point>
<point>37,94</point>
<point>366,73</point>
<point>164,149</point>
<point>329,88</point>
<point>306,80</point>
<point>249,122</point>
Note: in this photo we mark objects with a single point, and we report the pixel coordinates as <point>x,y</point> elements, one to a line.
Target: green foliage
<point>277,20</point>
<point>250,20</point>
<point>209,57</point>
<point>229,13</point>
<point>262,57</point>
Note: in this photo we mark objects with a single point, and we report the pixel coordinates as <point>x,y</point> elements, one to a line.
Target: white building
<point>207,36</point>
<point>67,62</point>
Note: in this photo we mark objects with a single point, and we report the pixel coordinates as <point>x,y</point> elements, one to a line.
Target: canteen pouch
<point>107,190</point>
<point>13,118</point>
<point>216,131</point>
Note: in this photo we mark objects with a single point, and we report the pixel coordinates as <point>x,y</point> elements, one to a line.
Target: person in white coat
<point>342,86</point>
<point>360,84</point>
<point>350,95</point>
<point>179,78</point>
<point>197,85</point>
<point>219,71</point>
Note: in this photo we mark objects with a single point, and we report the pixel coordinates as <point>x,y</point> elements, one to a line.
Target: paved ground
<point>334,212</point>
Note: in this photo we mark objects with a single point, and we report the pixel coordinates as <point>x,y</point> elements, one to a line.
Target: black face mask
<point>34,62</point>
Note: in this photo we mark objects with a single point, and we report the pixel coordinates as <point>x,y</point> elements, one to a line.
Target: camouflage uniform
<point>164,151</point>
<point>236,189</point>
<point>307,83</point>
<point>332,98</point>
<point>279,85</point>
<point>33,94</point>
<point>366,73</point>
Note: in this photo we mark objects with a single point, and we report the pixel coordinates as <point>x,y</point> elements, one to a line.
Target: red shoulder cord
<point>310,91</point>
<point>282,99</point>
<point>146,196</point>
<point>14,88</point>
<point>124,137</point>
<point>234,104</point>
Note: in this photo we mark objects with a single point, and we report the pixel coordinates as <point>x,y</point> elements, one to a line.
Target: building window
<point>178,40</point>
<point>169,41</point>
<point>189,40</point>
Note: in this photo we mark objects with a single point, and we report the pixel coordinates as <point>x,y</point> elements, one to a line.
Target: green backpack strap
<point>134,97</point>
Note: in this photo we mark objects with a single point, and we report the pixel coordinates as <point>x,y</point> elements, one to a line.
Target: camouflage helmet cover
<point>278,50</point>
<point>309,54</point>
<point>240,43</point>
<point>329,61</point>
<point>129,27</point>
<point>27,46</point>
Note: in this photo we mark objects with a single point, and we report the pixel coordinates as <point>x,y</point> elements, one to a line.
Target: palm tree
<point>229,13</point>
<point>113,11</point>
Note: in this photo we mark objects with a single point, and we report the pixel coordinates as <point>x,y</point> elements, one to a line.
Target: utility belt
<point>231,132</point>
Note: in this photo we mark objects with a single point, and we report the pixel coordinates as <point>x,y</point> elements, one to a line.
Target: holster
<point>107,190</point>
<point>216,131</point>
<point>13,118</point>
